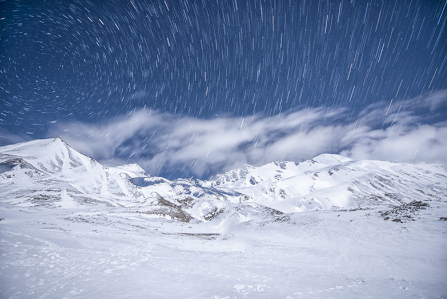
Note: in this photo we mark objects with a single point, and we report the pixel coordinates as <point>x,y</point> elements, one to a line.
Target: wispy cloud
<point>8,138</point>
<point>162,143</point>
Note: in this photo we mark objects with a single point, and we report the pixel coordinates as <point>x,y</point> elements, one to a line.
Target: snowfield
<point>325,228</point>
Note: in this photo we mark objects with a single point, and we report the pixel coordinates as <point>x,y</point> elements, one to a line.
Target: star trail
<point>93,62</point>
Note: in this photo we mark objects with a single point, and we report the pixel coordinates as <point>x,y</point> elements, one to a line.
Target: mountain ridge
<point>50,172</point>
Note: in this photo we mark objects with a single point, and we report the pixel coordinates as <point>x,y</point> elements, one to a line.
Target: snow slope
<point>116,253</point>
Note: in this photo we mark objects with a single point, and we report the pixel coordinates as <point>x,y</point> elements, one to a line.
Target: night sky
<point>91,64</point>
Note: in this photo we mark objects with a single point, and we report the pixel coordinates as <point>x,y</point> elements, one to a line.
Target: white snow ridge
<point>330,227</point>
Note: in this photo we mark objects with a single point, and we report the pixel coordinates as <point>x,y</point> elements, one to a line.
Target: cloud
<point>164,143</point>
<point>425,143</point>
<point>8,138</point>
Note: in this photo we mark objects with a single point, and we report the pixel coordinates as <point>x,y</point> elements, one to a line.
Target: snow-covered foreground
<point>73,228</point>
<point>110,253</point>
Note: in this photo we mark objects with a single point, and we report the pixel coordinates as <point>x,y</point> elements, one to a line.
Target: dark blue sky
<point>94,61</point>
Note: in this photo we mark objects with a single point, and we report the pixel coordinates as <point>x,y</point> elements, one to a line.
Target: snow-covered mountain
<point>333,181</point>
<point>51,173</point>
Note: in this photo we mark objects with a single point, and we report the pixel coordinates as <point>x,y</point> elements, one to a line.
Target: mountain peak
<point>331,159</point>
<point>135,168</point>
<point>46,155</point>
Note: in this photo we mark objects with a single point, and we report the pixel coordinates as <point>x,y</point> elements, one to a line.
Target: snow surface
<point>72,228</point>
